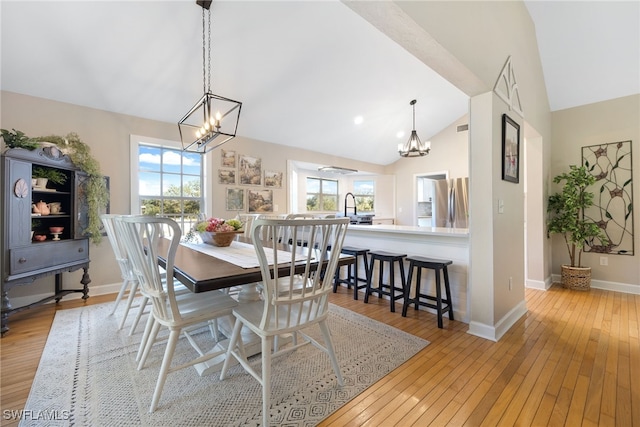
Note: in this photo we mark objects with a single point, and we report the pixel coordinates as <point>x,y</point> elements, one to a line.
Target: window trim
<point>373,196</point>
<point>321,194</point>
<point>134,146</point>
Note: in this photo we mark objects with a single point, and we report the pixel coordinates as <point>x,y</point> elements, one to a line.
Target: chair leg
<point>392,287</point>
<point>407,291</point>
<point>367,291</point>
<point>233,342</point>
<point>147,346</point>
<point>145,337</point>
<point>326,334</point>
<point>143,305</point>
<point>355,278</point>
<point>132,296</point>
<point>164,369</point>
<point>123,288</point>
<point>266,378</point>
<point>448,291</point>
<point>439,299</point>
<point>418,281</point>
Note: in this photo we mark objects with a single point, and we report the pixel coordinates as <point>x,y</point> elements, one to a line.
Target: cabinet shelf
<point>24,259</point>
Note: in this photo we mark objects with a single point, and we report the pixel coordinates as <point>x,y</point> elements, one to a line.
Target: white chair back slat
<point>117,245</point>
<point>298,298</point>
<point>142,236</point>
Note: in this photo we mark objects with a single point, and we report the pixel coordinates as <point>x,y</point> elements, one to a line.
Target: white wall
<point>108,135</point>
<point>449,153</point>
<point>468,43</point>
<point>600,123</point>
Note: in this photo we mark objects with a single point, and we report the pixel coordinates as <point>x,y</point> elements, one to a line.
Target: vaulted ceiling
<point>303,70</point>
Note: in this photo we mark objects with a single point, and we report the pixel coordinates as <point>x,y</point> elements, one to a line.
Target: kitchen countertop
<point>410,229</point>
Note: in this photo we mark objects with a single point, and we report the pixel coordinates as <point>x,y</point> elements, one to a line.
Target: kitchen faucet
<point>355,212</point>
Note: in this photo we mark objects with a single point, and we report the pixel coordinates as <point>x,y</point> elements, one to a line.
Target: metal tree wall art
<point>613,202</point>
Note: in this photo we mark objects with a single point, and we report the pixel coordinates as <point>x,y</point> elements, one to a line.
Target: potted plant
<point>44,175</point>
<point>97,194</point>
<point>566,217</point>
<point>16,139</point>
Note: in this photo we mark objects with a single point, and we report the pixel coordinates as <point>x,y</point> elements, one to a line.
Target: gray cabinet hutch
<point>24,257</point>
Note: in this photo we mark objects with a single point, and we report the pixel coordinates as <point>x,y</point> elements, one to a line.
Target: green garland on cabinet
<point>80,154</point>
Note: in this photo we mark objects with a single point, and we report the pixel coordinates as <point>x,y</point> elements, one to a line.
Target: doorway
<point>423,197</point>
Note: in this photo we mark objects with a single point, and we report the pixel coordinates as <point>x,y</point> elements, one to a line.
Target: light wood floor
<point>573,359</point>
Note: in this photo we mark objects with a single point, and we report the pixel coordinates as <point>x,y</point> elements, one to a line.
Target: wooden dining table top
<point>201,272</point>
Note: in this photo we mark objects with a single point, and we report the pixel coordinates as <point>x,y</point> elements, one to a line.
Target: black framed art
<point>510,149</point>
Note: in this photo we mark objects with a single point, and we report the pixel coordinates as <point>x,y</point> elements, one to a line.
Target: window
<point>322,194</point>
<point>364,192</point>
<point>169,183</point>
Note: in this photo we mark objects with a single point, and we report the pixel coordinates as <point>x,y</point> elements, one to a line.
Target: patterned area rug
<point>87,376</point>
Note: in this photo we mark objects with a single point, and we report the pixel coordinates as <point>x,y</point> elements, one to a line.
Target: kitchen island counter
<point>412,229</point>
<point>431,242</point>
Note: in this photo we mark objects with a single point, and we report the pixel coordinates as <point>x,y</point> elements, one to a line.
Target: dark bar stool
<point>353,279</point>
<point>391,258</point>
<point>441,305</point>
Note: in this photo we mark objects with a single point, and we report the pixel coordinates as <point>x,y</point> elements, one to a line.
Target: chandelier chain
<point>209,53</point>
<point>204,63</point>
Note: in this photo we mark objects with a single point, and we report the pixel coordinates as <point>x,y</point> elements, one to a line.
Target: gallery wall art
<point>250,170</point>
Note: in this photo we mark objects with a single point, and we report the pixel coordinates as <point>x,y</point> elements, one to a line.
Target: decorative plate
<point>21,188</point>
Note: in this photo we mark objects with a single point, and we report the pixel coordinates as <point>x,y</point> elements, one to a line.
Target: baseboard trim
<point>482,330</point>
<point>538,284</point>
<point>510,319</point>
<point>605,285</point>
<point>110,288</point>
<point>494,333</point>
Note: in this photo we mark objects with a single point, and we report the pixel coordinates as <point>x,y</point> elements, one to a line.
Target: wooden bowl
<point>222,239</point>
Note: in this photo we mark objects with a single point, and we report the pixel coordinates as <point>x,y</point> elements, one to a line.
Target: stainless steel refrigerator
<point>451,203</point>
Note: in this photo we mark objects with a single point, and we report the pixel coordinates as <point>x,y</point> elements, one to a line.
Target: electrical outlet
<point>604,260</point>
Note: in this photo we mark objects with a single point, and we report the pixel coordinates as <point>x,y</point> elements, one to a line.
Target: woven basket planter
<point>576,278</point>
<point>219,239</point>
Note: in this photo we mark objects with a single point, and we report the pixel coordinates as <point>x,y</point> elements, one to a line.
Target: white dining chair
<point>177,313</point>
<point>129,282</point>
<point>293,301</point>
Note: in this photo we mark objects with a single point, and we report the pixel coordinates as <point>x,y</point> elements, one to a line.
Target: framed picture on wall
<point>226,176</point>
<point>235,199</point>
<point>510,150</point>
<point>260,201</point>
<point>250,170</point>
<point>228,158</point>
<point>273,179</point>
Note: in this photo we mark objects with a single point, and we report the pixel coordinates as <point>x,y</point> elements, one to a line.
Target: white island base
<point>432,242</point>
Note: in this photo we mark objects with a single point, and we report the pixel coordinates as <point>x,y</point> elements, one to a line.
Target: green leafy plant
<point>17,139</point>
<point>96,192</point>
<point>53,175</point>
<point>566,212</point>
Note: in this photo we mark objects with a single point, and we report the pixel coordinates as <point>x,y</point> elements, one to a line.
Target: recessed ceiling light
<point>358,120</point>
<point>400,134</point>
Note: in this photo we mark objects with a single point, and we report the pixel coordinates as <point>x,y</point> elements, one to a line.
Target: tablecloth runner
<point>240,254</point>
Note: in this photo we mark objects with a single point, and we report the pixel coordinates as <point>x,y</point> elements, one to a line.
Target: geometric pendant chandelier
<point>213,120</point>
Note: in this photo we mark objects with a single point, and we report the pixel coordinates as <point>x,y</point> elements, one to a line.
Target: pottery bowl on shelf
<point>40,237</point>
<point>56,229</point>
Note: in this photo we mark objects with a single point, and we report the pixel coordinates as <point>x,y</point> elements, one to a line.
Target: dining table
<point>202,267</point>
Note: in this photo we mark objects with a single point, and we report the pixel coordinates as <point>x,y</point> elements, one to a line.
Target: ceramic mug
<point>54,207</point>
